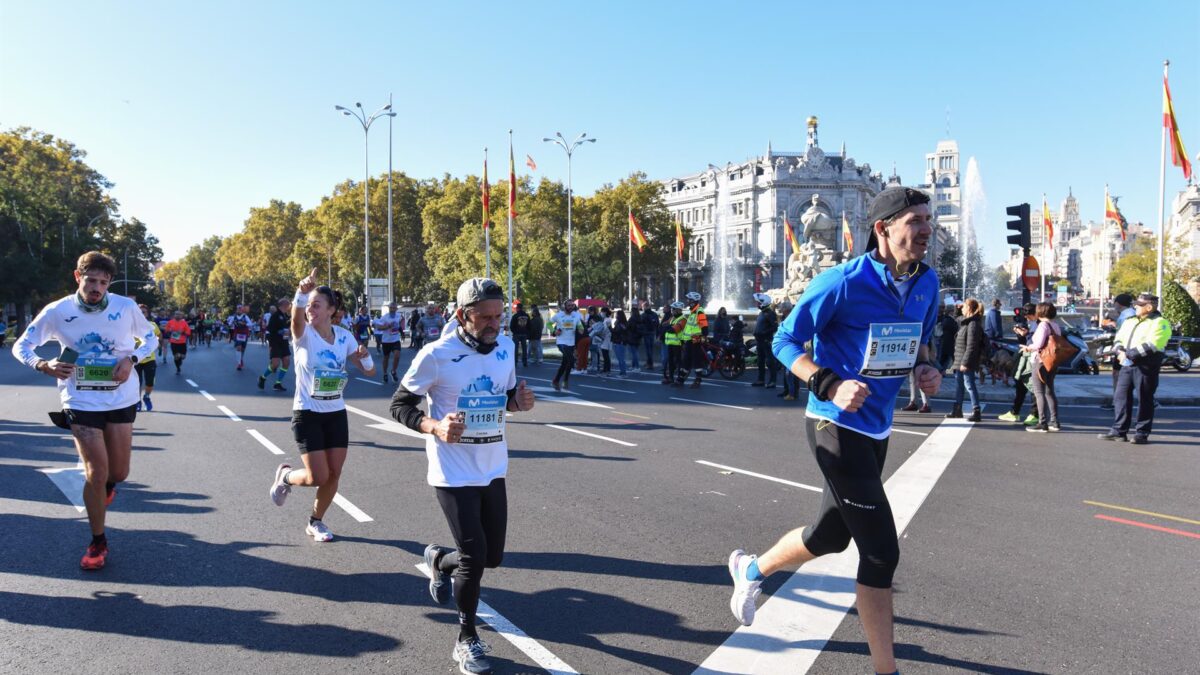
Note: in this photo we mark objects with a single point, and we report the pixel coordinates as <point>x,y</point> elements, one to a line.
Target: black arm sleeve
<point>404,408</point>
<point>512,400</point>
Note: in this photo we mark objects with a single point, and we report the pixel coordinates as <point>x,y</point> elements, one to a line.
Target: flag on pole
<point>530,163</point>
<point>512,183</point>
<point>847,235</point>
<point>789,235</point>
<point>1112,212</point>
<point>678,241</point>
<point>1047,222</point>
<point>1178,152</point>
<point>635,232</point>
<point>486,194</point>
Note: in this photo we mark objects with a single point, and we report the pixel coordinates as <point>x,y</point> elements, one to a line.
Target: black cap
<point>1146,299</point>
<point>1124,300</point>
<point>888,203</point>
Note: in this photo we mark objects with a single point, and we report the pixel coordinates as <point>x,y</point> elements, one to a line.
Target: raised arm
<point>299,318</point>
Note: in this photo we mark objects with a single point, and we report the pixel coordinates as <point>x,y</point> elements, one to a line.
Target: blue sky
<point>200,111</point>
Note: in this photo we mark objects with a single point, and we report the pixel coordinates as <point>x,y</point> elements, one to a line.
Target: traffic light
<point>1020,226</point>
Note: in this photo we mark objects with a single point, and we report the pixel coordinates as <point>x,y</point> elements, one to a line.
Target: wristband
<point>367,362</point>
<point>300,300</point>
<point>820,382</point>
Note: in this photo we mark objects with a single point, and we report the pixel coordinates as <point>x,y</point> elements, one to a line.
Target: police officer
<point>1139,343</point>
<point>674,325</point>
<point>695,329</point>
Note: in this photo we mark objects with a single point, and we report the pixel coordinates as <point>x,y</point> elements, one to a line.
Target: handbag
<point>1058,350</point>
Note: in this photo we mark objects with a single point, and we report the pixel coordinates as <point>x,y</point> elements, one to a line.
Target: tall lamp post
<point>569,148</point>
<point>360,114</point>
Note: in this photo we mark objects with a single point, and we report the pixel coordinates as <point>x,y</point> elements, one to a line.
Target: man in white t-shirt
<point>390,327</point>
<point>98,332</point>
<point>469,379</point>
<point>565,326</point>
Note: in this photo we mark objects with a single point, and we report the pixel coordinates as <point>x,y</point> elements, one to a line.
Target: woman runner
<point>318,412</point>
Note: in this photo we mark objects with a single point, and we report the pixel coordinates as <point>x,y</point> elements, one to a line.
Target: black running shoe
<point>262,382</point>
<point>279,387</point>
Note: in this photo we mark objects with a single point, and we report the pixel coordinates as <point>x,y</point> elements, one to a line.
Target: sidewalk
<point>1173,389</point>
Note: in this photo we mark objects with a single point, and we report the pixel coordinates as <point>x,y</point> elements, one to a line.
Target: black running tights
<point>478,519</point>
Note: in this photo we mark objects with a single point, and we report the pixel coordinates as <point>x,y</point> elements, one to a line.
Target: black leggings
<point>568,363</point>
<point>853,504</point>
<point>478,519</point>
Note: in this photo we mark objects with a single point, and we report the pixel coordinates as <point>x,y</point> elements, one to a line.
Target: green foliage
<point>1136,271</point>
<point>1179,308</point>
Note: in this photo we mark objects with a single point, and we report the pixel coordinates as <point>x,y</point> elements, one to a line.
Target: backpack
<point>1056,352</point>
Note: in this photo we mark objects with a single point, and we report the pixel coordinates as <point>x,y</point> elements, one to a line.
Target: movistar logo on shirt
<point>887,330</point>
<point>501,355</point>
<point>114,317</point>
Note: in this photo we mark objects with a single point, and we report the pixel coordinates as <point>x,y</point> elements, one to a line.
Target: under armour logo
<point>68,320</point>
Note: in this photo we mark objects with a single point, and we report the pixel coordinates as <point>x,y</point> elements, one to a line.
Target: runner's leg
<point>334,458</point>
<point>89,442</point>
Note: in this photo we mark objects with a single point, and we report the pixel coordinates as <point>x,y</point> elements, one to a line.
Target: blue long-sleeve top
<point>839,312</point>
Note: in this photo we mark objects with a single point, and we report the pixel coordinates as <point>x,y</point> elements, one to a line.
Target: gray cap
<point>477,290</point>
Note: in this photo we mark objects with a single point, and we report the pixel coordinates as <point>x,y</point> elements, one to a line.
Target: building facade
<point>943,184</point>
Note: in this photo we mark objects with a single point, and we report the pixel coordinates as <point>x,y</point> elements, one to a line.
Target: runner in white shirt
<point>563,327</point>
<point>469,380</point>
<point>390,326</point>
<point>319,424</point>
<point>97,331</point>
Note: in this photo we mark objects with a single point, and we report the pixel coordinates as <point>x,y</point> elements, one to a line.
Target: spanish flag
<point>789,235</point>
<point>1178,152</point>
<point>1047,222</point>
<point>678,241</point>
<point>847,235</point>
<point>1112,212</point>
<point>486,194</point>
<point>635,232</point>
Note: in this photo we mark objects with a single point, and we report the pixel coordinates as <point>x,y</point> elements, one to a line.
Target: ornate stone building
<point>754,198</point>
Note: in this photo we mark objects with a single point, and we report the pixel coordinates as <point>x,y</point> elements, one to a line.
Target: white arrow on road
<point>70,481</point>
<point>560,397</point>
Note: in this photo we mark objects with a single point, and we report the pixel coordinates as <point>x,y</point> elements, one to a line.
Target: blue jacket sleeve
<point>817,306</point>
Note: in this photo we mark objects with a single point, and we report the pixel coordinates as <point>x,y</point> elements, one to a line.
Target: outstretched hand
<point>524,397</point>
<point>308,283</point>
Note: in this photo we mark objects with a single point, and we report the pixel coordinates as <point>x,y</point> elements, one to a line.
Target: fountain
<point>719,294</point>
<point>974,209</point>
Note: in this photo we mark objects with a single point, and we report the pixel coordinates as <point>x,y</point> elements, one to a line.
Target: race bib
<point>328,384</point>
<point>175,335</point>
<point>568,325</point>
<point>891,349</point>
<point>240,337</point>
<point>95,373</point>
<point>433,332</point>
<point>483,416</point>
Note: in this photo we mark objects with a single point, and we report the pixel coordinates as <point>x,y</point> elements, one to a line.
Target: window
<point>943,210</point>
<point>698,249</point>
<point>945,181</point>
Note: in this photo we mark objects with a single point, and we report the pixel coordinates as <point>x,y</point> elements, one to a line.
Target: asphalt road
<point>1031,553</point>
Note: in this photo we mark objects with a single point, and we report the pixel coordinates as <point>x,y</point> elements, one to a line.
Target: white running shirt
<point>455,378</point>
<point>566,323</point>
<point>389,327</point>
<point>321,369</point>
<point>102,339</point>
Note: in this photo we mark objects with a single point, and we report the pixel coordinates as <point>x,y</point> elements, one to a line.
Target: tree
<point>1136,271</point>
<point>260,256</point>
<point>1179,308</point>
<point>136,251</point>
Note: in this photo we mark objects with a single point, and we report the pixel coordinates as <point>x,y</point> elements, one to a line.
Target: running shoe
<point>1140,440</point>
<point>109,496</point>
<point>239,366</point>
<point>94,558</point>
<point>279,489</point>
<point>394,377</point>
<point>1054,427</point>
<point>439,581</point>
<point>278,386</point>
<point>385,377</point>
<point>1031,421</point>
<point>925,409</point>
<point>318,531</point>
<point>911,407</point>
<point>1009,416</point>
<point>1037,429</point>
<point>745,591</point>
<point>139,406</point>
<point>471,656</point>
<point>149,405</point>
<point>1113,436</point>
<point>262,382</point>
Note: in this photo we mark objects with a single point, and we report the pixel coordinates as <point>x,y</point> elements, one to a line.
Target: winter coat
<point>537,326</point>
<point>968,342</point>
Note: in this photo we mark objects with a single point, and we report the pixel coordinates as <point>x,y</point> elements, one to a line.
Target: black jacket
<point>649,323</point>
<point>537,326</point>
<point>519,326</point>
<point>765,325</point>
<point>968,342</point>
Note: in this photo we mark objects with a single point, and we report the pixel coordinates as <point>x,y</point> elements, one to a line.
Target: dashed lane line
<point>363,379</point>
<point>906,431</point>
<point>385,424</point>
<point>619,391</point>
<point>192,383</point>
<point>230,413</point>
<point>207,395</point>
<point>265,442</point>
<point>591,435</point>
<point>519,639</point>
<point>759,475</point>
<point>719,405</point>
<point>355,512</point>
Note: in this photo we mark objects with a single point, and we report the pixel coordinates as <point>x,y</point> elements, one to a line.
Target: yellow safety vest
<point>671,338</point>
<point>692,328</point>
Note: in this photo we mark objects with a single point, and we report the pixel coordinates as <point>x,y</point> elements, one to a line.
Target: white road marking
<point>519,639</point>
<point>370,416</point>
<point>70,481</point>
<point>363,379</point>
<point>265,442</point>
<point>567,397</point>
<point>792,627</point>
<point>51,434</point>
<point>759,475</point>
<point>588,433</point>
<point>906,431</point>
<point>192,383</point>
<point>659,382</point>
<point>207,395</point>
<point>355,512</point>
<point>619,391</point>
<point>386,424</point>
<point>721,405</point>
<point>229,412</point>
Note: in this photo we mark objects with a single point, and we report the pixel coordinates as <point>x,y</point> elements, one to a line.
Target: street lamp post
<point>360,114</point>
<point>569,149</point>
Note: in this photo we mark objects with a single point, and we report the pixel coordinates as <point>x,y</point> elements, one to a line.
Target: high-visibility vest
<point>671,338</point>
<point>692,328</point>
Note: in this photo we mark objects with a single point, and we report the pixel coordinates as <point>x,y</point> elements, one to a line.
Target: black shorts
<point>280,350</point>
<point>389,347</point>
<point>316,431</point>
<point>146,372</point>
<point>98,419</point>
<point>180,349</point>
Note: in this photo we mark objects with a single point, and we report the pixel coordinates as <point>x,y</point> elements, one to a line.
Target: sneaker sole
<point>317,537</point>
<point>431,552</point>
<point>279,472</point>
<point>462,668</point>
<point>733,605</point>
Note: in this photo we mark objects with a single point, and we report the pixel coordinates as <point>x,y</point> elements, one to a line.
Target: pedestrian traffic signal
<point>1020,226</point>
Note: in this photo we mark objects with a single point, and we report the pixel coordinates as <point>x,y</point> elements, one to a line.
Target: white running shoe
<point>318,531</point>
<point>745,592</point>
<point>279,489</point>
<point>471,656</point>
